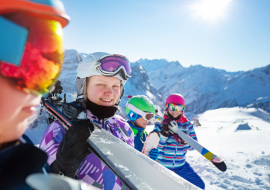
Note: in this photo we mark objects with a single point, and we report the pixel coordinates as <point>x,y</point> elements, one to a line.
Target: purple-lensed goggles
<point>111,65</point>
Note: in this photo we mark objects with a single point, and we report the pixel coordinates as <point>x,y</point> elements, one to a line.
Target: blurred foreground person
<point>31,58</point>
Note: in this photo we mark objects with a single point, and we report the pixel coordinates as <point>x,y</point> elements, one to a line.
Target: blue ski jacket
<point>172,154</point>
<point>140,136</point>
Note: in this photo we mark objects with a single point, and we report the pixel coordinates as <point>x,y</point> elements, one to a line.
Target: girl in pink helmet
<point>171,149</point>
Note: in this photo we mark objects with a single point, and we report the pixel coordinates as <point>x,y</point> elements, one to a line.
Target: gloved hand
<point>165,128</point>
<point>57,88</point>
<point>153,154</point>
<point>173,126</point>
<point>73,149</point>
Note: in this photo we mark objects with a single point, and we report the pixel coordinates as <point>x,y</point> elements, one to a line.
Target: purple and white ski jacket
<point>92,170</point>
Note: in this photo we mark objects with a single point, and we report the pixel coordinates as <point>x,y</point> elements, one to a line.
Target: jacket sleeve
<point>163,139</point>
<point>51,139</point>
<point>129,134</point>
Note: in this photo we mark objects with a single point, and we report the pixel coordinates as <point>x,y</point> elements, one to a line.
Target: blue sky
<point>237,39</point>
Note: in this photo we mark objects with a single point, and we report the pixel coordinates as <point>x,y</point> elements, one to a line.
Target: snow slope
<point>246,152</point>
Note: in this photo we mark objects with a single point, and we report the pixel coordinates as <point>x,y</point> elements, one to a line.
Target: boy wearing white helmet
<point>99,83</point>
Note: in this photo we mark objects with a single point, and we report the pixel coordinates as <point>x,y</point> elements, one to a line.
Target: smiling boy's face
<point>141,122</point>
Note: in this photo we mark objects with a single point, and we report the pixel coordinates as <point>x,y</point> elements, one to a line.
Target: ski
<point>151,142</point>
<point>217,161</point>
<point>53,181</point>
<point>134,169</point>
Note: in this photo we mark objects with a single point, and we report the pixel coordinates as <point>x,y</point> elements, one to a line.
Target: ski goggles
<point>145,115</point>
<point>31,52</point>
<point>175,107</point>
<point>111,65</point>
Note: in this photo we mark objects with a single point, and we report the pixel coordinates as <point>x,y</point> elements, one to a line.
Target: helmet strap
<point>122,90</point>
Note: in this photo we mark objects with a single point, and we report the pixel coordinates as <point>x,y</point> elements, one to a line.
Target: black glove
<point>165,131</point>
<point>73,149</point>
<point>57,88</point>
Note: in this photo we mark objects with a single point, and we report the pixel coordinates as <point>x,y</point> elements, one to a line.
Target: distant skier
<point>140,110</point>
<point>171,149</point>
<point>31,57</point>
<point>100,85</point>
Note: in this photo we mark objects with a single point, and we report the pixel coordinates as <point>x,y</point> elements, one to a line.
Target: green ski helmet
<point>140,106</point>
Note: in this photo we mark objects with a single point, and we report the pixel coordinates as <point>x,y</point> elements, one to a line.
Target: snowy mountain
<point>207,88</point>
<point>204,88</point>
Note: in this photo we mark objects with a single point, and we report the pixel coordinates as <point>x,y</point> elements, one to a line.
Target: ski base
<point>131,166</point>
<point>221,166</point>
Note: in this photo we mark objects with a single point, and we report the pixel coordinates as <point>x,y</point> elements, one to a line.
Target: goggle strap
<point>136,110</point>
<point>182,107</point>
<point>11,34</point>
<point>111,74</point>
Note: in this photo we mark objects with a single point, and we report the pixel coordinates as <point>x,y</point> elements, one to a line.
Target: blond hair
<point>85,89</point>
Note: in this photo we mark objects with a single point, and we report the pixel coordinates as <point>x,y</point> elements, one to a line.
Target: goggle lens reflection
<point>176,107</point>
<point>42,57</point>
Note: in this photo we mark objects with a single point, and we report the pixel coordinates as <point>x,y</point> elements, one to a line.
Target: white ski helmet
<point>87,68</point>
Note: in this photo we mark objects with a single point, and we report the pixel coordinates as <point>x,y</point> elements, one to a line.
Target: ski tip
<point>221,166</point>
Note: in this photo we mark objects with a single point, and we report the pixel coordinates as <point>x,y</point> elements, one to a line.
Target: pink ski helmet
<point>175,99</point>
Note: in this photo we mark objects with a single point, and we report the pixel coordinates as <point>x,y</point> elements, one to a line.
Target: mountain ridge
<point>204,88</point>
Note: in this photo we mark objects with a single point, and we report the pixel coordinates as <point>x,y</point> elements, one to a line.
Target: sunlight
<point>210,9</point>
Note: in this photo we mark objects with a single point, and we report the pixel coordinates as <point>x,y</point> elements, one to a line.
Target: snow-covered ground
<point>246,152</point>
